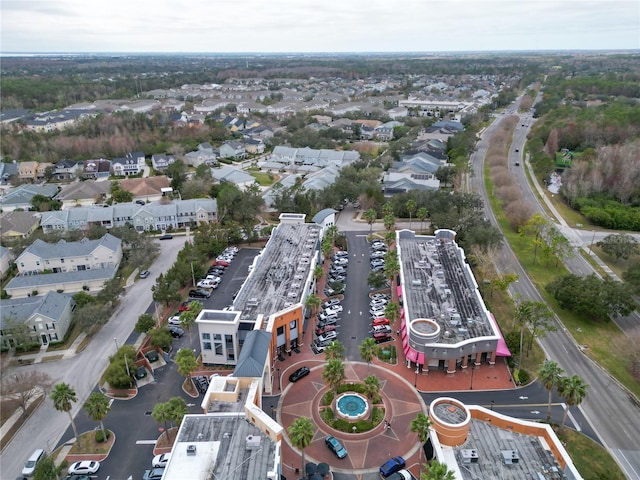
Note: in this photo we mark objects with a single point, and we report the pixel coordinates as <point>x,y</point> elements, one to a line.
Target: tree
<point>550,375</point>
<point>119,195</point>
<point>423,214</point>
<point>188,318</point>
<point>370,216</point>
<point>177,172</point>
<point>161,413</point>
<point>421,425</point>
<point>535,316</point>
<point>632,277</point>
<point>535,229</point>
<point>145,323</point>
<point>318,271</point>
<point>97,407</point>
<point>334,350</point>
<point>572,389</point>
<point>333,374</point>
<point>387,209</point>
<point>166,290</point>
<point>619,245</point>
<point>312,303</point>
<point>301,433</point>
<point>437,471</point>
<point>368,349</point>
<point>389,221</point>
<point>411,208</point>
<point>445,174</point>
<point>177,410</point>
<point>24,387</point>
<point>392,311</point>
<point>187,363</point>
<point>376,280</point>
<point>64,397</point>
<point>161,338</point>
<point>372,389</point>
<point>46,469</point>
<point>118,373</point>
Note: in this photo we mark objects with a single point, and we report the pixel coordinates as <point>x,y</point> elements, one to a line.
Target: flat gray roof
<point>437,284</point>
<point>226,446</point>
<point>278,278</point>
<point>494,445</point>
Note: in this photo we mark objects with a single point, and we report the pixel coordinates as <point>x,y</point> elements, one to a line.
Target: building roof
<point>84,190</point>
<point>141,187</point>
<point>226,173</point>
<point>51,305</point>
<point>226,446</point>
<point>322,215</point>
<point>253,355</point>
<point>18,221</point>
<point>48,279</point>
<point>64,249</point>
<point>24,193</point>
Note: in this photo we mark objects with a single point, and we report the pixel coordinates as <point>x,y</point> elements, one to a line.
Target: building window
<point>50,326</point>
<point>217,344</point>
<point>292,324</point>
<point>206,345</point>
<point>229,345</point>
<point>206,336</point>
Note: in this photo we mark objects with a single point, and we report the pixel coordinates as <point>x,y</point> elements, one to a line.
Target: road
<point>608,406</point>
<point>46,426</point>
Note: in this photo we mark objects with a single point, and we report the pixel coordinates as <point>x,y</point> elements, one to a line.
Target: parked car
<point>200,293</point>
<point>377,261</point>
<point>144,274</point>
<point>298,374</point>
<point>174,320</point>
<point>217,262</point>
<point>327,336</point>
<point>140,373</point>
<point>331,302</point>
<point>184,306</point>
<point>379,312</point>
<point>30,465</point>
<point>381,302</point>
<point>336,278</point>
<point>85,467</point>
<point>340,254</point>
<point>160,460</point>
<point>140,202</point>
<point>378,254</point>
<point>153,474</point>
<point>333,309</point>
<point>175,331</point>
<point>392,466</point>
<point>324,329</point>
<point>381,329</point>
<point>165,237</point>
<point>341,261</point>
<point>382,338</point>
<point>401,475</point>
<point>328,321</point>
<point>378,268</point>
<point>208,283</point>
<point>335,446</point>
<point>380,321</point>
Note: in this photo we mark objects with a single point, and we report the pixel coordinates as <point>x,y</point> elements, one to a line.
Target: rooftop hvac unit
<point>253,441</point>
<point>469,455</point>
<point>191,450</point>
<point>252,302</point>
<point>510,457</point>
<point>416,283</point>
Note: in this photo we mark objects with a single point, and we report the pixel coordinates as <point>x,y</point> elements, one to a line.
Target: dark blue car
<point>392,466</point>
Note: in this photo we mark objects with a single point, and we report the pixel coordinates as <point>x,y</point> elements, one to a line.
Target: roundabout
<point>367,450</point>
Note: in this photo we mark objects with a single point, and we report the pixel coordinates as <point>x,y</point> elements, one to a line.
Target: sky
<point>227,26</point>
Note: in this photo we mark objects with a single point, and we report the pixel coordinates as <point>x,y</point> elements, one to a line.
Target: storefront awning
<point>412,355</point>
<point>399,291</point>
<point>421,358</point>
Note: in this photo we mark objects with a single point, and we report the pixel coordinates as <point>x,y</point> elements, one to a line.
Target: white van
<point>30,466</point>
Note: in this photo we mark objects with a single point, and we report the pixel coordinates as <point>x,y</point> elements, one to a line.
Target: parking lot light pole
<point>279,386</point>
<point>116,342</point>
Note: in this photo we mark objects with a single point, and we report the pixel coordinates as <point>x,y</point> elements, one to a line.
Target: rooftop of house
<point>280,272</point>
<point>51,305</point>
<point>220,446</point>
<point>437,284</point>
<point>36,281</point>
<point>64,249</point>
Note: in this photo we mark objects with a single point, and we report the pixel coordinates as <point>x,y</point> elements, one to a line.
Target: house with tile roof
<point>148,189</point>
<point>43,319</point>
<point>19,224</point>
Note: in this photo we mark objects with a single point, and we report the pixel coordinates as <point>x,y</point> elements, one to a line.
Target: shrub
<point>327,398</point>
<point>100,438</point>
<point>327,416</point>
<point>521,377</point>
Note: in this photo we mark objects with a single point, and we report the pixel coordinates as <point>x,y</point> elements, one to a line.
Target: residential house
<point>6,258</point>
<point>161,162</point>
<point>27,170</point>
<point>21,197</point>
<point>384,132</point>
<point>159,215</point>
<point>132,164</point>
<point>233,149</point>
<point>7,171</point>
<point>40,319</point>
<point>66,170</point>
<point>66,266</point>
<point>96,168</point>
<point>203,155</point>
<point>227,173</point>
<point>18,224</point>
<point>400,182</point>
<point>254,147</point>
<point>148,189</point>
<point>84,193</point>
<point>292,158</point>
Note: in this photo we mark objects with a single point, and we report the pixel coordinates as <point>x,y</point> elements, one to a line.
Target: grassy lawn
<point>87,444</point>
<point>592,460</point>
<point>264,179</point>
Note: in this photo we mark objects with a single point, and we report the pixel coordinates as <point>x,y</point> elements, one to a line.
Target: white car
<point>207,284</point>
<point>376,313</point>
<point>331,302</point>
<point>378,304</point>
<point>175,320</point>
<point>322,316</point>
<point>333,309</point>
<point>326,337</point>
<point>86,467</point>
<point>160,460</point>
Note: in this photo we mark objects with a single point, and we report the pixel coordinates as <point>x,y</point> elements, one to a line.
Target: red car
<point>326,328</point>
<point>224,263</point>
<point>380,321</point>
<point>184,306</point>
<point>382,337</point>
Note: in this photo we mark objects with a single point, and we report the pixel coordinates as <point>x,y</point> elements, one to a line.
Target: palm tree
<point>187,363</point>
<point>161,413</point>
<point>573,390</point>
<point>437,471</point>
<point>372,389</point>
<point>549,375</point>
<point>421,425</point>
<point>301,433</point>
<point>333,374</point>
<point>312,303</point>
<point>331,233</point>
<point>392,311</point>
<point>97,407</point>
<point>63,397</point>
<point>411,207</point>
<point>422,213</point>
<point>335,350</point>
<point>389,221</point>
<point>177,410</point>
<point>389,238</point>
<point>370,216</point>
<point>392,268</point>
<point>368,349</point>
<point>318,271</point>
<point>522,318</point>
<point>187,319</point>
<point>387,209</point>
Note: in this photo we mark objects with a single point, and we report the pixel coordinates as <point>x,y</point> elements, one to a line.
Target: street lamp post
<point>116,342</point>
<point>473,368</point>
<point>492,404</point>
<point>279,386</point>
<point>415,380</point>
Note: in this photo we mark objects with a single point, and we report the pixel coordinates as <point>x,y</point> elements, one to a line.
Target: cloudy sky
<point>316,26</point>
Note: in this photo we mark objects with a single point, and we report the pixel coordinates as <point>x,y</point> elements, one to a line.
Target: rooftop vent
<point>191,450</point>
<point>509,457</point>
<point>469,455</point>
<point>252,302</point>
<point>253,441</point>
<point>416,283</point>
